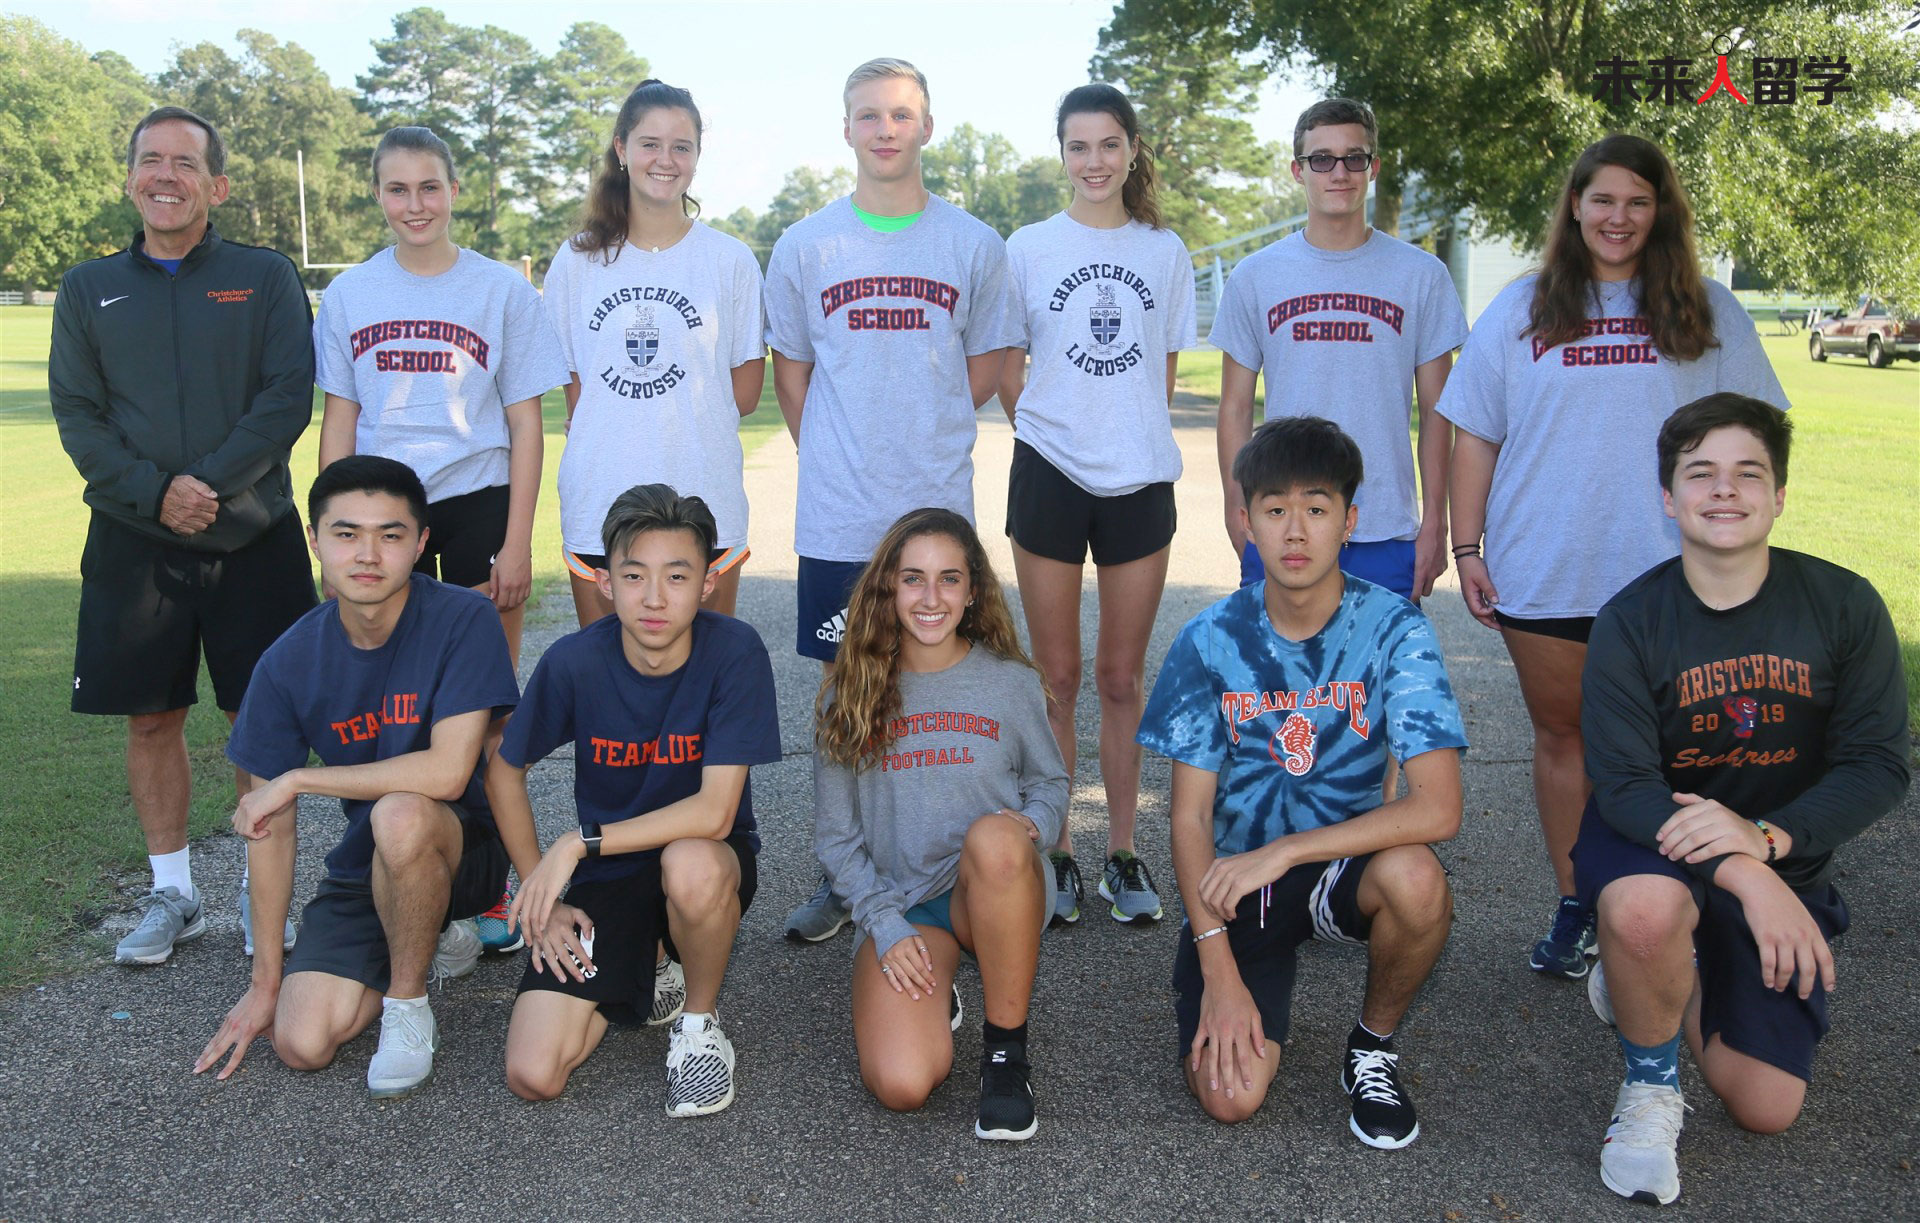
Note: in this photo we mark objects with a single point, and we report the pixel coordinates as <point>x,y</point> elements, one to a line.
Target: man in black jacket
<point>181,375</point>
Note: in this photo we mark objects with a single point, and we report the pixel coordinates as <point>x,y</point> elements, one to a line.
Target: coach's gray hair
<point>216,147</point>
<point>416,140</point>
<point>880,70</point>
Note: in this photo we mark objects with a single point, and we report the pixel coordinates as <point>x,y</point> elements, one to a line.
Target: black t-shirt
<point>1791,707</point>
<point>641,741</point>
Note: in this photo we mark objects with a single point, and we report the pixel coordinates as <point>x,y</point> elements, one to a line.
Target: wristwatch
<point>590,837</point>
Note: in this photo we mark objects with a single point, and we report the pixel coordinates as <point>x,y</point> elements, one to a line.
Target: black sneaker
<point>1006,1097</point>
<point>1382,1113</point>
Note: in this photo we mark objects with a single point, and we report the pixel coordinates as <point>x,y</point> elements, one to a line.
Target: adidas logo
<point>833,630</point>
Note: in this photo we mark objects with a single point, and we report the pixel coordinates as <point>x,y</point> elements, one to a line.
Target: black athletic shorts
<point>340,930</point>
<point>1052,517</point>
<point>464,535</point>
<point>1565,628</point>
<point>1314,900</point>
<point>1775,1026</point>
<point>148,609</point>
<point>629,919</point>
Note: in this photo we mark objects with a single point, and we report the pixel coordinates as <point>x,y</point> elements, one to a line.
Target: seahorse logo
<point>1295,738</point>
<point>1743,712</point>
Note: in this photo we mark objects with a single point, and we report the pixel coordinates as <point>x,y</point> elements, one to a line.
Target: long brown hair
<point>603,222</point>
<point>854,713</point>
<point>1138,193</point>
<point>1673,298</point>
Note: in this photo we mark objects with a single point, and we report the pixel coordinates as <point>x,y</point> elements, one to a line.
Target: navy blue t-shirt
<point>314,689</point>
<point>640,741</point>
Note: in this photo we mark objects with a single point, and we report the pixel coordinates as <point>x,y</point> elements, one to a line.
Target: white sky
<point>767,76</point>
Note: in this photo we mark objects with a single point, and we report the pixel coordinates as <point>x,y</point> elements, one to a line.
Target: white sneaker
<point>459,950</point>
<point>669,992</point>
<point>1638,1159</point>
<point>408,1037</point>
<point>699,1068</point>
<point>1597,996</point>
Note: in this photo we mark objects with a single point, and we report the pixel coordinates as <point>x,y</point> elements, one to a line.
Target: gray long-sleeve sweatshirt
<point>969,740</point>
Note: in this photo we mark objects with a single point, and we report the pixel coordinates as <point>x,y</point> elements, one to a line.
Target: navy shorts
<point>1313,900</point>
<point>629,920</point>
<point>340,930</point>
<point>1052,517</point>
<point>464,534</point>
<point>824,587</point>
<point>1384,562</point>
<point>1774,1026</point>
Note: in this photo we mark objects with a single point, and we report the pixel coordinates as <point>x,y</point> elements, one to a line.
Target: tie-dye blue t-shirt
<point>1299,731</point>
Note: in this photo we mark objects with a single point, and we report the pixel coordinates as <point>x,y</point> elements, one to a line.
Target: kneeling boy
<point>666,706</point>
<point>1279,706</point>
<point>392,684</point>
<point>1745,713</point>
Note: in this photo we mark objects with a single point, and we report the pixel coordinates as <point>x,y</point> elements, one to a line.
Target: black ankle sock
<point>1361,1038</point>
<point>993,1034</point>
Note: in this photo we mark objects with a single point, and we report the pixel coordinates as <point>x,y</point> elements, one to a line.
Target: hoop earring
<point>1133,165</point>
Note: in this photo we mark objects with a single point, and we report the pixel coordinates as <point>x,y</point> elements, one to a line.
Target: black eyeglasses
<point>1322,163</point>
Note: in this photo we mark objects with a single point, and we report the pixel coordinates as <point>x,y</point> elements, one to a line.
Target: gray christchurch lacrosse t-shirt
<point>655,337</point>
<point>1575,511</point>
<point>1339,334</point>
<point>888,321</point>
<point>1099,310</point>
<point>433,360</point>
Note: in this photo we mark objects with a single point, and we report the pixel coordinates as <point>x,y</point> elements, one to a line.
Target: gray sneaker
<point>818,917</point>
<point>1067,889</point>
<point>1129,887</point>
<point>169,919</point>
<point>246,925</point>
<point>408,1037</point>
<point>669,992</point>
<point>458,952</point>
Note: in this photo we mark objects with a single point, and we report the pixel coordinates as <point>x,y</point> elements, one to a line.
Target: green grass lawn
<point>69,827</point>
<point>1854,481</point>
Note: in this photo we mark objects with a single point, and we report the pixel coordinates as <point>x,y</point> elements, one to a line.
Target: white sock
<point>172,871</point>
<point>708,1019</point>
<point>392,1001</point>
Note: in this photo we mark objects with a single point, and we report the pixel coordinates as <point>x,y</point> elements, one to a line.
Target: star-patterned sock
<point>1659,1064</point>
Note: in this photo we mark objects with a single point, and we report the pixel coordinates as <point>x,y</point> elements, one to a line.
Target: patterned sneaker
<point>699,1067</point>
<point>1382,1113</point>
<point>669,992</point>
<point>246,926</point>
<point>1129,887</point>
<point>492,927</point>
<point>1067,889</point>
<point>1006,1094</point>
<point>1638,1158</point>
<point>1569,944</point>
<point>1597,996</point>
<point>457,952</point>
<point>818,917</point>
<point>167,919</point>
<point>957,1013</point>
<point>408,1037</point>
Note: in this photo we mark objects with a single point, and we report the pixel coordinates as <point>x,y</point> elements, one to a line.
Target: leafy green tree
<point>983,173</point>
<point>504,85</point>
<point>420,76</point>
<point>63,133</point>
<point>586,81</point>
<point>1193,89</point>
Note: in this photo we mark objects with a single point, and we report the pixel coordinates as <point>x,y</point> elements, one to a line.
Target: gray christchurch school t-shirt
<point>1575,511</point>
<point>1339,334</point>
<point>433,360</point>
<point>888,321</point>
<point>1099,310</point>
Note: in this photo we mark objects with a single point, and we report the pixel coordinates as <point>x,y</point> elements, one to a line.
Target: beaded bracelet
<point>1199,938</point>
<point>1773,847</point>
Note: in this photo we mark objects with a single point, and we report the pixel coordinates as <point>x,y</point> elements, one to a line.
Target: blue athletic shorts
<point>936,911</point>
<point>823,590</point>
<point>1774,1026</point>
<point>1384,562</point>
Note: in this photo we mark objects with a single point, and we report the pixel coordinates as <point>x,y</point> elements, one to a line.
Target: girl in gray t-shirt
<point>1559,393</point>
<point>936,783</point>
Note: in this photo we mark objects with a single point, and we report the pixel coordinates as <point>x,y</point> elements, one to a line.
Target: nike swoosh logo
<point>108,301</point>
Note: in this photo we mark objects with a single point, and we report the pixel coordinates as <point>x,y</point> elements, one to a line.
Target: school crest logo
<point>1292,745</point>
<point>643,338</point>
<point>1103,317</point>
<point>1743,712</point>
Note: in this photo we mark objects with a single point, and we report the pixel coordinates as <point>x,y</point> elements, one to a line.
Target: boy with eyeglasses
<point>1349,324</point>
